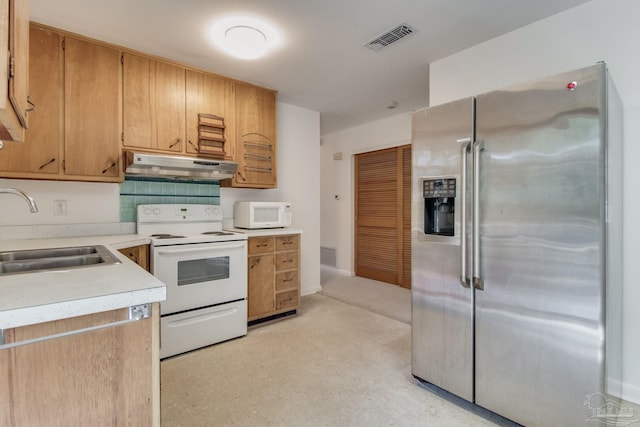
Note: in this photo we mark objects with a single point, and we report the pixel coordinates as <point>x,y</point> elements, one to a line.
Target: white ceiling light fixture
<point>244,37</point>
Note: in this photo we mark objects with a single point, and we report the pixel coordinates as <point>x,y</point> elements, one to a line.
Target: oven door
<point>202,274</point>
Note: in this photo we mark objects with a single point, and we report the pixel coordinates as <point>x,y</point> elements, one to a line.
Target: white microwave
<point>262,214</point>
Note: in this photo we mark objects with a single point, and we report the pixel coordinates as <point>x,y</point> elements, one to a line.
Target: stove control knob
<point>156,211</point>
<point>146,211</point>
<point>211,210</point>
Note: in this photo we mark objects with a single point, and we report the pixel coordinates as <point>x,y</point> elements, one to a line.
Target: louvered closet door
<point>406,217</point>
<point>382,248</point>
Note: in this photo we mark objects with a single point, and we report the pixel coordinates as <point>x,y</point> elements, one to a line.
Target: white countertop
<point>29,298</point>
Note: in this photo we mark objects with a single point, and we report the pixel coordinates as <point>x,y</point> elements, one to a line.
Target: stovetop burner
<point>166,236</point>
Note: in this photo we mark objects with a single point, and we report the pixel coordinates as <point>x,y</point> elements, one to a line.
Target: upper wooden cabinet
<point>153,104</point>
<point>74,130</point>
<point>210,95</point>
<point>255,151</point>
<point>41,153</point>
<point>94,100</point>
<point>91,109</point>
<point>14,66</point>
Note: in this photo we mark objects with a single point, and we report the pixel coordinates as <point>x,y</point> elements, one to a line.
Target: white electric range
<point>205,270</point>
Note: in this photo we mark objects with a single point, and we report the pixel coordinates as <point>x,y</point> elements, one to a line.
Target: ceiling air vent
<point>391,36</point>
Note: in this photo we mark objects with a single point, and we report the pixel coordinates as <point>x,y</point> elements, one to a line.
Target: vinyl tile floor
<point>332,364</point>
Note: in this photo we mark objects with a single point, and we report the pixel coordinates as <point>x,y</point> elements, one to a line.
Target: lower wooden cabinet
<point>274,275</point>
<point>107,376</point>
<point>138,254</point>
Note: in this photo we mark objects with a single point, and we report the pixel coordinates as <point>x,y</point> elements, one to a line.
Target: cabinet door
<point>14,66</point>
<point>255,137</point>
<point>153,104</point>
<point>19,48</point>
<point>208,94</point>
<point>261,286</point>
<point>41,152</point>
<point>138,254</point>
<point>92,119</point>
<point>5,387</point>
<point>103,377</point>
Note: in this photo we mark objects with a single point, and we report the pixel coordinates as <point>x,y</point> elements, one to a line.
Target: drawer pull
<point>262,245</point>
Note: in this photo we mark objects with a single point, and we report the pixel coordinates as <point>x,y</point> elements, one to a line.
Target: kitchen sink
<point>12,262</point>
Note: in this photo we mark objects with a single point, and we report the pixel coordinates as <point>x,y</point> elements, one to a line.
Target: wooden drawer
<point>287,243</point>
<point>287,299</point>
<point>286,261</point>
<point>287,280</point>
<point>259,245</point>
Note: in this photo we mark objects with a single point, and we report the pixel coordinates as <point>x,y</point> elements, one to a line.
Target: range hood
<point>178,167</point>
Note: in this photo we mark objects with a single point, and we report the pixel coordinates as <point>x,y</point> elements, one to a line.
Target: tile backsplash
<point>142,191</point>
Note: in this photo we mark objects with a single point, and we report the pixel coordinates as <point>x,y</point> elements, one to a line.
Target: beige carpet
<point>382,298</point>
<point>332,364</point>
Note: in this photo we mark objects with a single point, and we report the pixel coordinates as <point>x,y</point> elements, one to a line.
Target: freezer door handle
<point>464,149</point>
<point>478,283</point>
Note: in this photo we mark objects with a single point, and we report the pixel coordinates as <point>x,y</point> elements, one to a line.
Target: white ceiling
<point>321,64</point>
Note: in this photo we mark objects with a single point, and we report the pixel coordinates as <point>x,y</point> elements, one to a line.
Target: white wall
<point>337,216</point>
<point>298,183</point>
<point>87,202</point>
<point>605,30</point>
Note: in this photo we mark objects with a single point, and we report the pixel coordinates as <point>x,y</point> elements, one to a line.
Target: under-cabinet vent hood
<point>178,167</point>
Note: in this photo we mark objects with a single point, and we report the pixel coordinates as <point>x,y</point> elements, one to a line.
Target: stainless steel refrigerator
<point>517,247</point>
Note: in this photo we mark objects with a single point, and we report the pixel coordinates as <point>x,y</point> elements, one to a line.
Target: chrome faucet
<point>32,203</point>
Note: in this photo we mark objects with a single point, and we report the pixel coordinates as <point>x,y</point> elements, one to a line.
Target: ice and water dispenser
<point>439,206</point>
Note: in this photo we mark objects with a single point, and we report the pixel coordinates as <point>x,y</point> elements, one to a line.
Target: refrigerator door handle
<point>464,149</point>
<point>478,283</point>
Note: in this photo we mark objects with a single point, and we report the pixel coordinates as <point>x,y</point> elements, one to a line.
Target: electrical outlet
<point>60,207</point>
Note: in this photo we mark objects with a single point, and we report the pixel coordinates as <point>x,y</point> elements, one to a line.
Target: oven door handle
<point>196,250</point>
